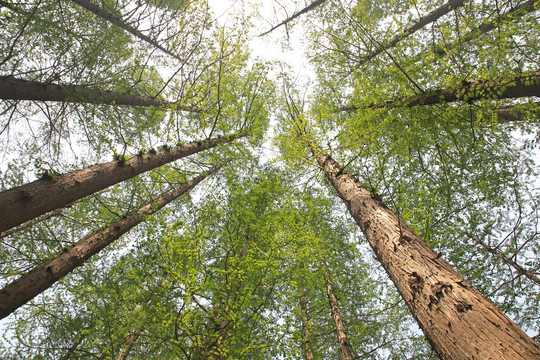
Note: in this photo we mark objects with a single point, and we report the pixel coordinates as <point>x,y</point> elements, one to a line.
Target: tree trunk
<point>423,21</point>
<point>96,10</point>
<point>41,278</point>
<point>457,320</point>
<point>514,113</point>
<point>346,350</point>
<point>308,8</point>
<point>520,269</point>
<point>131,342</point>
<point>41,196</point>
<point>517,87</point>
<point>12,88</point>
<point>306,334</point>
<point>515,13</point>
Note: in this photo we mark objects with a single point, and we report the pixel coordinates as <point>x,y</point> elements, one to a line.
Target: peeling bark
<point>28,201</point>
<point>344,345</point>
<point>31,284</point>
<point>458,321</point>
<point>513,88</point>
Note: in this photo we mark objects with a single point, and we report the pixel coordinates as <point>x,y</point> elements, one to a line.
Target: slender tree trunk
<point>308,8</point>
<point>419,24</point>
<point>517,87</point>
<point>509,261</point>
<point>41,196</point>
<point>344,345</point>
<point>457,320</point>
<point>306,334</point>
<point>515,13</point>
<point>72,349</point>
<point>98,11</point>
<point>41,278</point>
<point>12,88</point>
<point>131,342</point>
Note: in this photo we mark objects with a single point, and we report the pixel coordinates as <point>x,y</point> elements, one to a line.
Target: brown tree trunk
<point>515,13</point>
<point>308,8</point>
<point>513,113</point>
<point>517,87</point>
<point>346,350</point>
<point>457,320</point>
<point>12,88</point>
<point>41,196</point>
<point>29,285</point>
<point>419,24</point>
<point>96,10</point>
<point>306,334</point>
<point>131,342</point>
<point>520,269</point>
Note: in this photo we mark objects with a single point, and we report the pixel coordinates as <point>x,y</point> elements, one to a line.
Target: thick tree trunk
<point>517,87</point>
<point>41,278</point>
<point>306,334</point>
<point>12,88</point>
<point>515,13</point>
<point>96,10</point>
<point>308,8</point>
<point>419,24</point>
<point>520,269</point>
<point>41,196</point>
<point>514,113</point>
<point>131,342</point>
<point>345,347</point>
<point>457,320</point>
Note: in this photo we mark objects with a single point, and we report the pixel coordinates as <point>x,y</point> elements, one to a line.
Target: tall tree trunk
<point>308,8</point>
<point>515,13</point>
<point>98,11</point>
<point>346,350</point>
<point>516,87</point>
<point>520,269</point>
<point>131,342</point>
<point>41,196</point>
<point>12,88</point>
<point>306,334</point>
<point>41,278</point>
<point>419,24</point>
<point>457,320</point>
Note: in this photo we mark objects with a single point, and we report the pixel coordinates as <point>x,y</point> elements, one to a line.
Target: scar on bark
<point>462,306</point>
<point>416,283</point>
<point>439,290</point>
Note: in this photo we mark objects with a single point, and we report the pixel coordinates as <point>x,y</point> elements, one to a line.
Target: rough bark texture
<point>515,13</point>
<point>131,342</point>
<point>96,10</point>
<point>306,335</point>
<point>12,88</point>
<point>419,24</point>
<point>517,87</point>
<point>457,320</point>
<point>345,347</point>
<point>39,197</point>
<point>521,270</point>
<point>41,278</point>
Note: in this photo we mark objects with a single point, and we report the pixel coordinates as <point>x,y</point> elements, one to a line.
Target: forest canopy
<point>168,191</point>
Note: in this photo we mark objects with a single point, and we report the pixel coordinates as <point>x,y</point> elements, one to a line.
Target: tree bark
<point>485,27</point>
<point>306,334</point>
<point>520,269</point>
<point>12,88</point>
<point>96,10</point>
<point>457,320</point>
<point>516,87</point>
<point>31,284</point>
<point>131,342</point>
<point>308,8</point>
<point>514,113</point>
<point>41,196</point>
<point>419,24</point>
<point>344,345</point>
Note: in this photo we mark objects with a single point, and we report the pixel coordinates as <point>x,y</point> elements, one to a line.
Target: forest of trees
<point>165,194</point>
